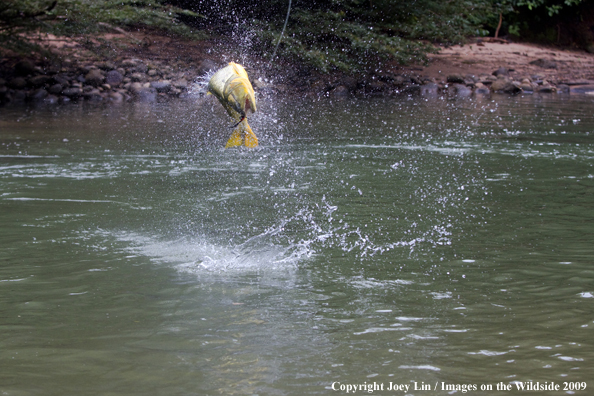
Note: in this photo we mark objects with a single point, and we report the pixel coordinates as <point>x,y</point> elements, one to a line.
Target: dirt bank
<point>144,65</point>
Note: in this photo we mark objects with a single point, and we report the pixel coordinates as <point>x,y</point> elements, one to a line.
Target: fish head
<point>240,95</point>
<point>232,87</point>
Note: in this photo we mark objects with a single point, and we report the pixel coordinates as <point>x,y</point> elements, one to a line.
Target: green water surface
<point>430,243</point>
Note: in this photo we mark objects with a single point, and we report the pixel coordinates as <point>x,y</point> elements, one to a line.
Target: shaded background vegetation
<point>348,35</point>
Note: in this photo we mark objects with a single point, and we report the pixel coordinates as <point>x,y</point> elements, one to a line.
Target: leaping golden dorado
<point>233,89</point>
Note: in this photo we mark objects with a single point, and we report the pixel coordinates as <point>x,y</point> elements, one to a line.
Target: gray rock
<point>137,76</point>
<point>505,85</point>
<point>93,95</point>
<point>19,96</point>
<point>94,77</point>
<point>73,92</point>
<point>459,90</point>
<point>107,65</point>
<point>340,92</point>
<point>38,95</point>
<point>61,79</point>
<point>135,87</point>
<point>502,71</point>
<point>499,84</point>
<point>114,78</point>
<point>206,66</point>
<point>146,94</point>
<point>545,63</point>
<point>429,89</point>
<point>527,88</point>
<point>39,81</point>
<point>181,84</point>
<point>546,89</point>
<point>455,79</point>
<point>161,86</point>
<point>55,89</point>
<point>412,90</point>
<point>25,67</point>
<point>129,63</point>
<point>481,89</point>
<point>51,99</point>
<point>141,68</point>
<point>582,89</point>
<point>17,83</point>
<point>115,97</point>
<point>4,94</point>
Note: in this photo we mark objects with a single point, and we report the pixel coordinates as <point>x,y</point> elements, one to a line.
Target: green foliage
<point>550,21</point>
<point>347,35</point>
<point>327,41</point>
<point>81,17</point>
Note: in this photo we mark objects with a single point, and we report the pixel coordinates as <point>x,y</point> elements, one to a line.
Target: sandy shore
<point>560,66</point>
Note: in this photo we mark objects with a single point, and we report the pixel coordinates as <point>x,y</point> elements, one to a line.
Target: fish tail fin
<point>242,136</point>
<point>250,139</point>
<point>235,140</point>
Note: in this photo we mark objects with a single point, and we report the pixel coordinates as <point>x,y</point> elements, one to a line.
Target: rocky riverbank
<point>162,70</point>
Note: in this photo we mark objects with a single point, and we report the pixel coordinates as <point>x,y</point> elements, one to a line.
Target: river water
<point>431,243</point>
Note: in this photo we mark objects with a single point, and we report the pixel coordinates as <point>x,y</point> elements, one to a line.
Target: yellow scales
<point>233,89</point>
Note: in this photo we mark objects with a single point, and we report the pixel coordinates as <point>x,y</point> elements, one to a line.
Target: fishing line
<point>282,32</point>
<point>242,118</point>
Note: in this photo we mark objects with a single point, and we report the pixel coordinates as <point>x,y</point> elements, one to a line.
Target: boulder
<point>340,92</point>
<point>56,89</point>
<point>137,76</point>
<point>129,63</point>
<point>17,83</point>
<point>93,95</point>
<point>146,94</point>
<point>506,86</point>
<point>51,99</point>
<point>94,77</point>
<point>429,89</point>
<point>24,67</point>
<point>206,66</point>
<point>481,88</point>
<point>61,79</point>
<point>455,79</point>
<point>582,89</point>
<point>115,97</point>
<point>545,63</point>
<point>39,81</point>
<point>141,68</point>
<point>460,90</point>
<point>38,95</point>
<point>502,71</point>
<point>19,96</point>
<point>73,92</point>
<point>181,84</point>
<point>114,78</point>
<point>161,85</point>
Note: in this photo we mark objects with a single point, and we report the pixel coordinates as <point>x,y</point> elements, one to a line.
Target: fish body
<point>232,87</point>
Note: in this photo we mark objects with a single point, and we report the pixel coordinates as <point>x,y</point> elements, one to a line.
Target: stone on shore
<point>161,86</point>
<point>94,77</point>
<point>24,67</point>
<point>38,95</point>
<point>114,78</point>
